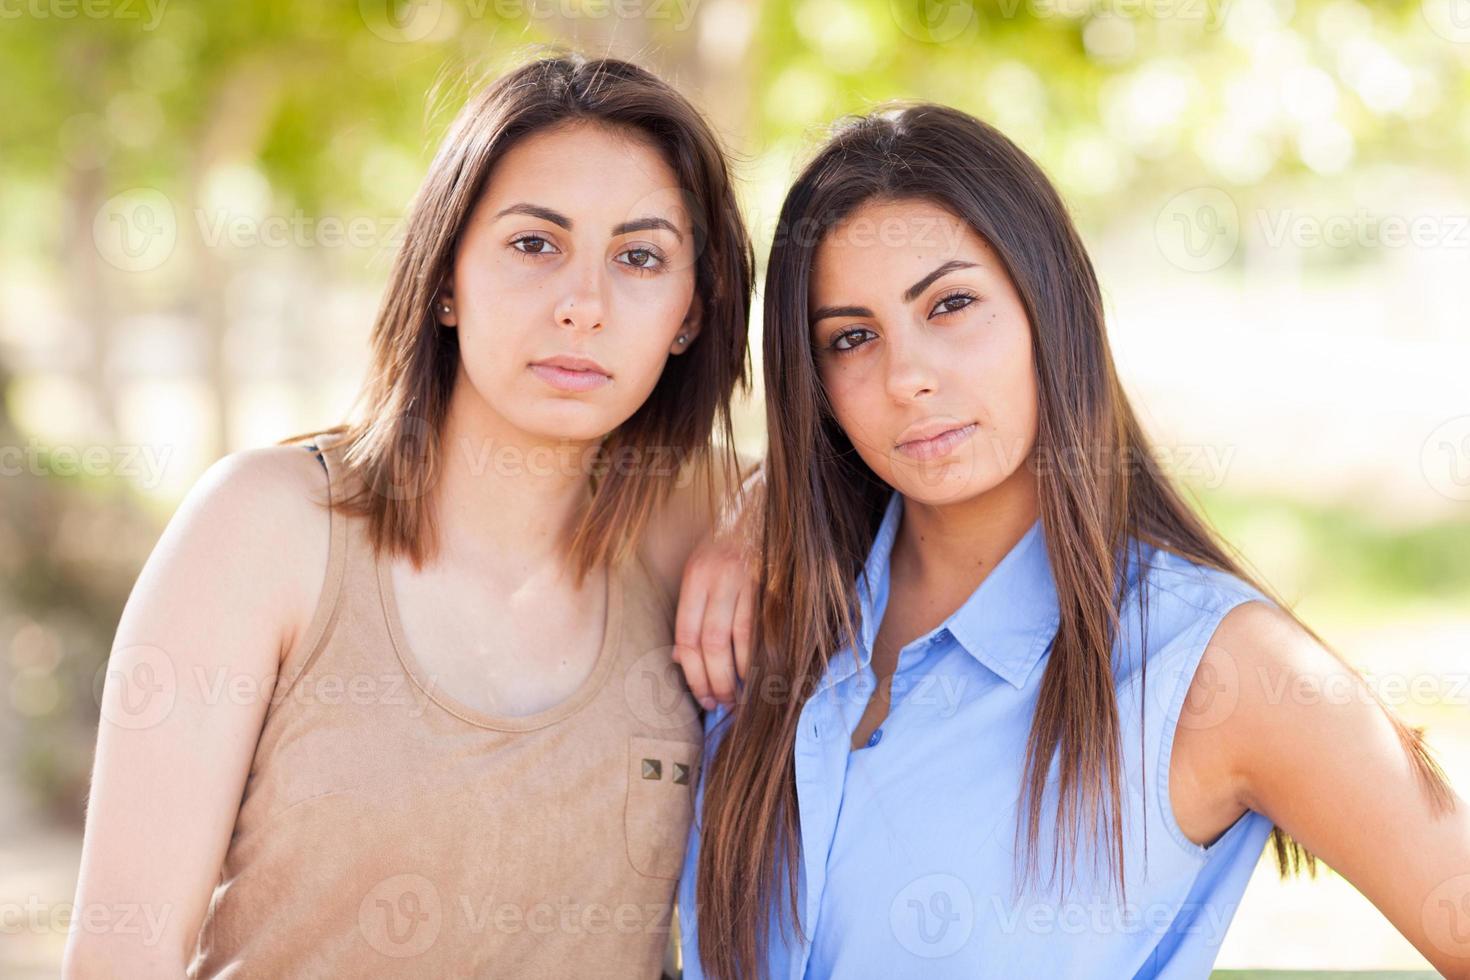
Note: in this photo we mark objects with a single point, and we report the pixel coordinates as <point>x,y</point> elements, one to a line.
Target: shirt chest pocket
<point>662,775</point>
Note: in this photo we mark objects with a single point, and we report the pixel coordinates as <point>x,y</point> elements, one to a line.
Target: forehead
<point>890,241</point>
<point>590,171</point>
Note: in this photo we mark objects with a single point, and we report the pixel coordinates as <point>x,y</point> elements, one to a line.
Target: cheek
<point>862,419</point>
<point>656,304</point>
<point>497,304</point>
<point>1012,401</point>
<point>644,317</point>
<point>1000,373</point>
<point>859,413</point>
<point>855,382</point>
<point>482,271</point>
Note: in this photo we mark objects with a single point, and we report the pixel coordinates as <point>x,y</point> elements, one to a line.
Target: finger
<point>692,597</point>
<point>715,637</point>
<point>742,627</point>
<point>695,677</point>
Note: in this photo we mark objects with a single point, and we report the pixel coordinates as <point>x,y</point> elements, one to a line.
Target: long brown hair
<point>823,507</point>
<point>393,449</point>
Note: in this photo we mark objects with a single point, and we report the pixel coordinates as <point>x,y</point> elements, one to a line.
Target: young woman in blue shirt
<point>1011,708</point>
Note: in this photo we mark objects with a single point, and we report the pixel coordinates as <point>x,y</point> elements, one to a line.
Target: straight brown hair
<point>392,448</point>
<point>1103,494</point>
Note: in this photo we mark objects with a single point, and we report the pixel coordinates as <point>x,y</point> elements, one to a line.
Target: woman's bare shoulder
<point>257,518</point>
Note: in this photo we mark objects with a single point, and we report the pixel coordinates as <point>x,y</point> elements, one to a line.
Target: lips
<point>934,440</point>
<point>566,372</point>
<point>572,362</point>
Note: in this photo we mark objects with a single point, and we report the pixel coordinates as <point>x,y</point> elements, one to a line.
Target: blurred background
<point>198,204</point>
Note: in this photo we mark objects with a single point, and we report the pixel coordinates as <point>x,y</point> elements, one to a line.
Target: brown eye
<point>850,339</point>
<point>534,244</point>
<point>642,258</point>
<point>952,303</point>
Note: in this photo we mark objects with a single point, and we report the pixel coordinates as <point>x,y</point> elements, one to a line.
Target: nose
<point>910,370</point>
<point>582,305</point>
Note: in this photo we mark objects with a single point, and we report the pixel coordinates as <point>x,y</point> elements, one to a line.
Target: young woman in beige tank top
<point>406,704</point>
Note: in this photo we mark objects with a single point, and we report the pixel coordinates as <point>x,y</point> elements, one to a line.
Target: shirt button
<point>875,738</point>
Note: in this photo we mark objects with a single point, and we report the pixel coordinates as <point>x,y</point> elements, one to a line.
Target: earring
<point>681,338</point>
<point>444,307</point>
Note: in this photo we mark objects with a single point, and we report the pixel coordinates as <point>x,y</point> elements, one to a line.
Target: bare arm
<point>707,501</point>
<point>706,555</point>
<point>227,589</point>
<point>1309,746</point>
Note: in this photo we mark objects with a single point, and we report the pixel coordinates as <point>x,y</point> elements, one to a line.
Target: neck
<point>960,543</point>
<point>506,496</point>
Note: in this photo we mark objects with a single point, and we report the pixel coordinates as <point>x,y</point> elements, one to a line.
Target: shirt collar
<point>1006,624</point>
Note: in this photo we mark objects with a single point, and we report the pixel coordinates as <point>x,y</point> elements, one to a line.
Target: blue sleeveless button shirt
<point>908,844</point>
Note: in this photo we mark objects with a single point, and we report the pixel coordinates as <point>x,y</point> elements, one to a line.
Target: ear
<point>444,310</point>
<point>689,329</point>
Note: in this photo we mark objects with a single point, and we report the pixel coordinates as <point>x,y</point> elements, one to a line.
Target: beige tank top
<point>387,830</point>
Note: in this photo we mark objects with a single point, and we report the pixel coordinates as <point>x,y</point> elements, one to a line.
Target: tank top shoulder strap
<point>328,451</point>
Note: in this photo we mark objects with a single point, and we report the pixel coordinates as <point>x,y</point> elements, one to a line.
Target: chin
<point>936,484</point>
<point>942,495</point>
<point>589,431</point>
<point>563,420</point>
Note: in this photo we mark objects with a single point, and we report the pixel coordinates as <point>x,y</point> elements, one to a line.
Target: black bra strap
<point>312,448</point>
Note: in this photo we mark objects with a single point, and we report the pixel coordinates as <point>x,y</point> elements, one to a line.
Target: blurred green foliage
<point>1350,557</point>
<point>1114,97</point>
<point>336,108</point>
<point>70,548</point>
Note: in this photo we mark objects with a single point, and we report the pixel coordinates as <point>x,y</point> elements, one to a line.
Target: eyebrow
<point>537,211</point>
<point>557,218</point>
<point>912,293</point>
<point>824,312</point>
<point>909,295</point>
<point>647,224</point>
